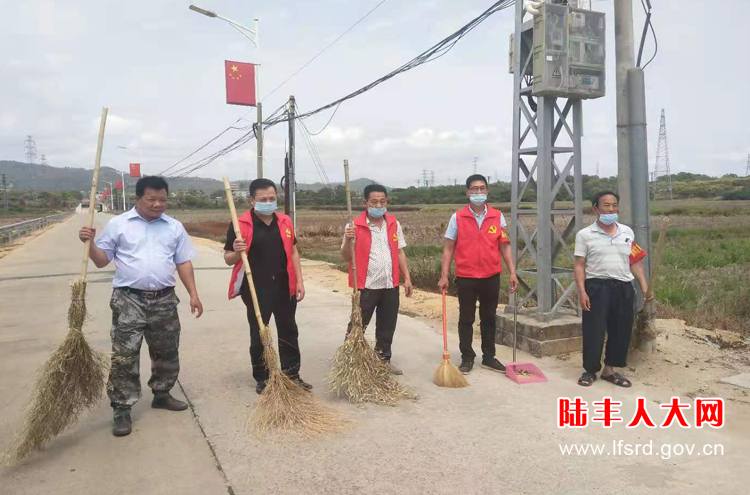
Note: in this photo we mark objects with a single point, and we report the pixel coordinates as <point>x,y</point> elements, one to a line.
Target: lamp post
<point>253,36</point>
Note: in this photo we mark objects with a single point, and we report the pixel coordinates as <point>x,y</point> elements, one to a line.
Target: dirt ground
<point>689,360</point>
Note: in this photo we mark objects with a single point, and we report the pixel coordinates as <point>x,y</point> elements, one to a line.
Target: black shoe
<point>123,424</point>
<point>299,381</point>
<point>493,364</point>
<point>166,401</point>
<point>466,366</point>
<point>260,387</point>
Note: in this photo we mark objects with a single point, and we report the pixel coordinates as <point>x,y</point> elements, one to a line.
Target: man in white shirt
<point>379,252</point>
<point>606,263</point>
<point>148,247</point>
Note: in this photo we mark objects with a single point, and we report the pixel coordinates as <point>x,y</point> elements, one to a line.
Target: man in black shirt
<point>268,238</point>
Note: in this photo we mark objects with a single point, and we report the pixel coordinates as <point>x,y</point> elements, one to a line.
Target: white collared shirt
<point>145,253</point>
<point>607,256</point>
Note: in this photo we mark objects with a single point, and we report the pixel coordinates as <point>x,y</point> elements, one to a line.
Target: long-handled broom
<point>645,331</point>
<point>447,375</point>
<point>283,407</point>
<point>72,379</point>
<point>357,372</point>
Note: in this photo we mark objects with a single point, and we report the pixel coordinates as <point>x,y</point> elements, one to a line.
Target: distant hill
<point>24,176</point>
<point>355,185</point>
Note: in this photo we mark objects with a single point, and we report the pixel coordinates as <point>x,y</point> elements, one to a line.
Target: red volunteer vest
<point>478,251</point>
<point>286,231</point>
<point>363,243</point>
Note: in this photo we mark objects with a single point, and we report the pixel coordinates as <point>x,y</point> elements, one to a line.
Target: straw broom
<point>645,332</point>
<point>447,375</point>
<point>357,372</point>
<point>72,379</point>
<point>283,407</point>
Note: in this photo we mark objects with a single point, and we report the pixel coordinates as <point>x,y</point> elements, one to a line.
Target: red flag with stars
<point>240,83</point>
<point>118,185</point>
<point>135,169</point>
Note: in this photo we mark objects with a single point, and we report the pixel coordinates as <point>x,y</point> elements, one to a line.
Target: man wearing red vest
<point>476,237</point>
<point>268,238</point>
<point>379,252</point>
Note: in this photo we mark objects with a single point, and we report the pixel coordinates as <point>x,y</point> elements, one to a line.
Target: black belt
<point>148,293</point>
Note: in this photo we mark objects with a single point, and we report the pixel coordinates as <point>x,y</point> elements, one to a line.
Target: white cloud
<point>8,121</point>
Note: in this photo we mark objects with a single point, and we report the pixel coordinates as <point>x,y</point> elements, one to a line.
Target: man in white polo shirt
<point>606,263</point>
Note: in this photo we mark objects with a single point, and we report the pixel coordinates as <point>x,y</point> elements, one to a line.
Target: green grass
<point>704,277</point>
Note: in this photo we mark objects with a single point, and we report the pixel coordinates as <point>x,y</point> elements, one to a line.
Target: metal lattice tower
<point>747,172</point>
<point>30,149</point>
<point>661,167</point>
<point>476,164</point>
<point>44,160</point>
<point>540,228</point>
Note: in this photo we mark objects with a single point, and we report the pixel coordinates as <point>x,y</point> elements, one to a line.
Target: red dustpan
<point>521,373</point>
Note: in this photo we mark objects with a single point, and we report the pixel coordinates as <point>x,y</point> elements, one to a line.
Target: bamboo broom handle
<point>445,325</point>
<point>92,196</point>
<point>349,211</point>
<point>243,254</point>
<point>657,259</point>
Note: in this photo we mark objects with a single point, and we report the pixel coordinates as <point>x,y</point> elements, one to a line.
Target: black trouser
<point>386,301</point>
<point>611,313</point>
<point>274,299</point>
<point>487,290</point>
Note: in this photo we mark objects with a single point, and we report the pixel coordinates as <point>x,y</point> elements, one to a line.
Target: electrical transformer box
<point>569,52</point>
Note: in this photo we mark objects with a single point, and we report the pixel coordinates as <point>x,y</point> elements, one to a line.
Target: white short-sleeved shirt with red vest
<point>477,253</point>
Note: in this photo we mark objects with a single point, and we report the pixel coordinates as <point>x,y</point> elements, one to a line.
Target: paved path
<point>493,437</point>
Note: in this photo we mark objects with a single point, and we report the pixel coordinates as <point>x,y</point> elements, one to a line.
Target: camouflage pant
<point>133,318</point>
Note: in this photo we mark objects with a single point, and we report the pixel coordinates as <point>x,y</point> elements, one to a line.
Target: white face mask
<point>478,199</point>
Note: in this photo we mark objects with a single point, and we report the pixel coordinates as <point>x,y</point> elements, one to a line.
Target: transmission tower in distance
<point>44,160</point>
<point>661,167</point>
<point>747,171</point>
<point>30,149</point>
<point>476,164</point>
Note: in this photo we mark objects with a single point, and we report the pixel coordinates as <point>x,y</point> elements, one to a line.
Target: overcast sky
<point>160,69</point>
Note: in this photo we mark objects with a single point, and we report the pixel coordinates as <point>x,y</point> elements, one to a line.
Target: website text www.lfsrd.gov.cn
<point>620,448</point>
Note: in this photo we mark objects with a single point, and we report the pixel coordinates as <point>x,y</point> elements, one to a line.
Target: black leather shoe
<point>299,381</point>
<point>493,364</point>
<point>123,424</point>
<point>260,387</point>
<point>168,402</point>
<point>466,366</point>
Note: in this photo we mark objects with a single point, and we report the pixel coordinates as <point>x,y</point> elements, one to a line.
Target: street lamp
<point>254,37</point>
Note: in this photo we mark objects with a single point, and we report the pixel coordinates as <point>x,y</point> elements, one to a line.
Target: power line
<point>329,45</point>
<point>433,53</point>
<point>646,25</point>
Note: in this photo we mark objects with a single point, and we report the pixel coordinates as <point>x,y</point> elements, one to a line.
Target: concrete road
<point>493,437</point>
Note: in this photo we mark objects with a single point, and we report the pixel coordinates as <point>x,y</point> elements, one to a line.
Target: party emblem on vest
<point>395,237</point>
<point>288,233</point>
<point>492,230</point>
<point>503,234</point>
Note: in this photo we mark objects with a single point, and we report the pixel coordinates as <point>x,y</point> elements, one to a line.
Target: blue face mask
<point>608,219</point>
<point>265,208</point>
<point>478,199</point>
<point>376,212</point>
